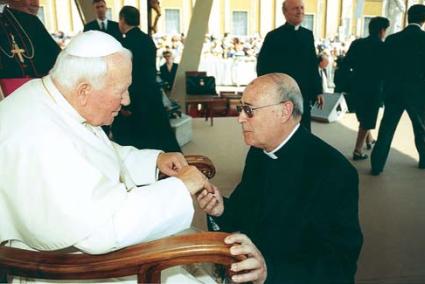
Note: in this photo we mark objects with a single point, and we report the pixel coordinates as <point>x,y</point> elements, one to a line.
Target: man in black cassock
<point>144,123</point>
<point>26,48</point>
<point>290,49</point>
<point>298,197</point>
<point>404,87</point>
<point>101,23</point>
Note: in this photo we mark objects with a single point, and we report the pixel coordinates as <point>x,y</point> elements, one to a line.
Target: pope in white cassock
<point>63,183</point>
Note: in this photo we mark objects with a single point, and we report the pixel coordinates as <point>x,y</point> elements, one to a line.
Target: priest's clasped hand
<point>211,202</point>
<point>171,163</point>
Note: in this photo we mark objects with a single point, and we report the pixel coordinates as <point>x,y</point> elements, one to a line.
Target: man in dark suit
<point>27,49</point>
<point>298,197</point>
<point>290,49</point>
<point>144,124</point>
<point>102,23</point>
<point>404,87</point>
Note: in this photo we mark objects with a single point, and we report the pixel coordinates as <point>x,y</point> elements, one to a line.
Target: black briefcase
<point>200,85</point>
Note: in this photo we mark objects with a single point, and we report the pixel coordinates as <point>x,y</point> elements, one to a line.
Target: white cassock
<point>63,183</point>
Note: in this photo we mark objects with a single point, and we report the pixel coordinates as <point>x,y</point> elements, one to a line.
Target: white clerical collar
<point>271,154</point>
<point>296,28</point>
<point>415,24</point>
<point>2,6</point>
<point>60,99</point>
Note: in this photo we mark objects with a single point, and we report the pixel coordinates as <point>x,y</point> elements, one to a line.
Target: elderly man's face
<point>293,10</point>
<point>100,9</point>
<point>26,6</point>
<point>104,104</point>
<point>261,129</point>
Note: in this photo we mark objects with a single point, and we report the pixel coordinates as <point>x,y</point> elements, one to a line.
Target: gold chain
<point>11,55</point>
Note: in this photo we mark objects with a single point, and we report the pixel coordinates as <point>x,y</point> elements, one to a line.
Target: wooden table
<point>210,103</point>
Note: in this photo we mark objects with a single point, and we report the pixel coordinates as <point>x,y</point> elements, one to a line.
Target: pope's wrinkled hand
<point>194,179</point>
<point>254,267</point>
<point>211,202</point>
<point>171,163</point>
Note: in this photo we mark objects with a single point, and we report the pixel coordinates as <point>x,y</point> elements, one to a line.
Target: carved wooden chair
<point>146,260</point>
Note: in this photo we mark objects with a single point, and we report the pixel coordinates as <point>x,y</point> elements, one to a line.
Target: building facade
<point>326,18</point>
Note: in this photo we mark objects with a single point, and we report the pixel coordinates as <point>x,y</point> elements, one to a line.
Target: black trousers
<point>392,115</point>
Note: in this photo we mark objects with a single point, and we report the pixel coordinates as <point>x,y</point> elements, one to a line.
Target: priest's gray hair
<point>286,88</point>
<point>70,70</point>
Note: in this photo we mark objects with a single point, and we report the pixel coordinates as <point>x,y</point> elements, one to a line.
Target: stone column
<point>332,18</point>
<point>279,18</point>
<point>266,16</point>
<point>215,19</point>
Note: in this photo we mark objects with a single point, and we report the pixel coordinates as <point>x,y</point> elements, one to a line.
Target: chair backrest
<point>145,260</point>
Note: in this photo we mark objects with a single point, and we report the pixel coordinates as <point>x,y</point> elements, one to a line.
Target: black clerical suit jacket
<point>301,210</point>
<point>45,48</point>
<point>111,28</point>
<point>405,77</point>
<point>148,125</point>
<point>292,52</point>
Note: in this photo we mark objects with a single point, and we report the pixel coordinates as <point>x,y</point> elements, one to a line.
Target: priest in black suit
<point>404,87</point>
<point>101,23</point>
<point>298,197</point>
<point>26,48</point>
<point>145,123</point>
<point>290,49</point>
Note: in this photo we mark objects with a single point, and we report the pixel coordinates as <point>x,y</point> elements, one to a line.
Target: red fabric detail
<point>9,85</point>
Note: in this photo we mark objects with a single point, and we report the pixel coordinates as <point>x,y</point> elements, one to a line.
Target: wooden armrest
<point>145,260</point>
<point>203,164</point>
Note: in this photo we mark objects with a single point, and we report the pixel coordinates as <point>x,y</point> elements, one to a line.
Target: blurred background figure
<point>144,124</point>
<point>168,70</point>
<point>366,59</point>
<point>101,23</point>
<point>323,60</point>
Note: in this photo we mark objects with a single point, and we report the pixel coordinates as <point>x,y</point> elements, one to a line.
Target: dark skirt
<point>367,105</point>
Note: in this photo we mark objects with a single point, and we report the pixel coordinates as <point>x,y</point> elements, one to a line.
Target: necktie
<point>102,26</point>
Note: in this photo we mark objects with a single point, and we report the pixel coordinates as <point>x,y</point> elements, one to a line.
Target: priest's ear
<point>82,91</point>
<point>287,110</point>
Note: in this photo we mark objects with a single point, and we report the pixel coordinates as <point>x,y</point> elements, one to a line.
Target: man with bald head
<point>298,197</point>
<point>290,49</point>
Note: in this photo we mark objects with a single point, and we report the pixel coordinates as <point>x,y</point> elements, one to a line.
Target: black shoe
<point>359,156</point>
<point>375,172</point>
<point>421,164</point>
<point>370,144</point>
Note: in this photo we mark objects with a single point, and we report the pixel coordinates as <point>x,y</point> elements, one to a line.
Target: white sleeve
<point>151,212</point>
<point>140,164</point>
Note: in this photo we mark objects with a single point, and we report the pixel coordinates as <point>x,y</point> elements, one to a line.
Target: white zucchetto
<point>93,44</point>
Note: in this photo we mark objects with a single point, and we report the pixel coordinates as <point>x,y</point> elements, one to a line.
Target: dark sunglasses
<point>249,110</point>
